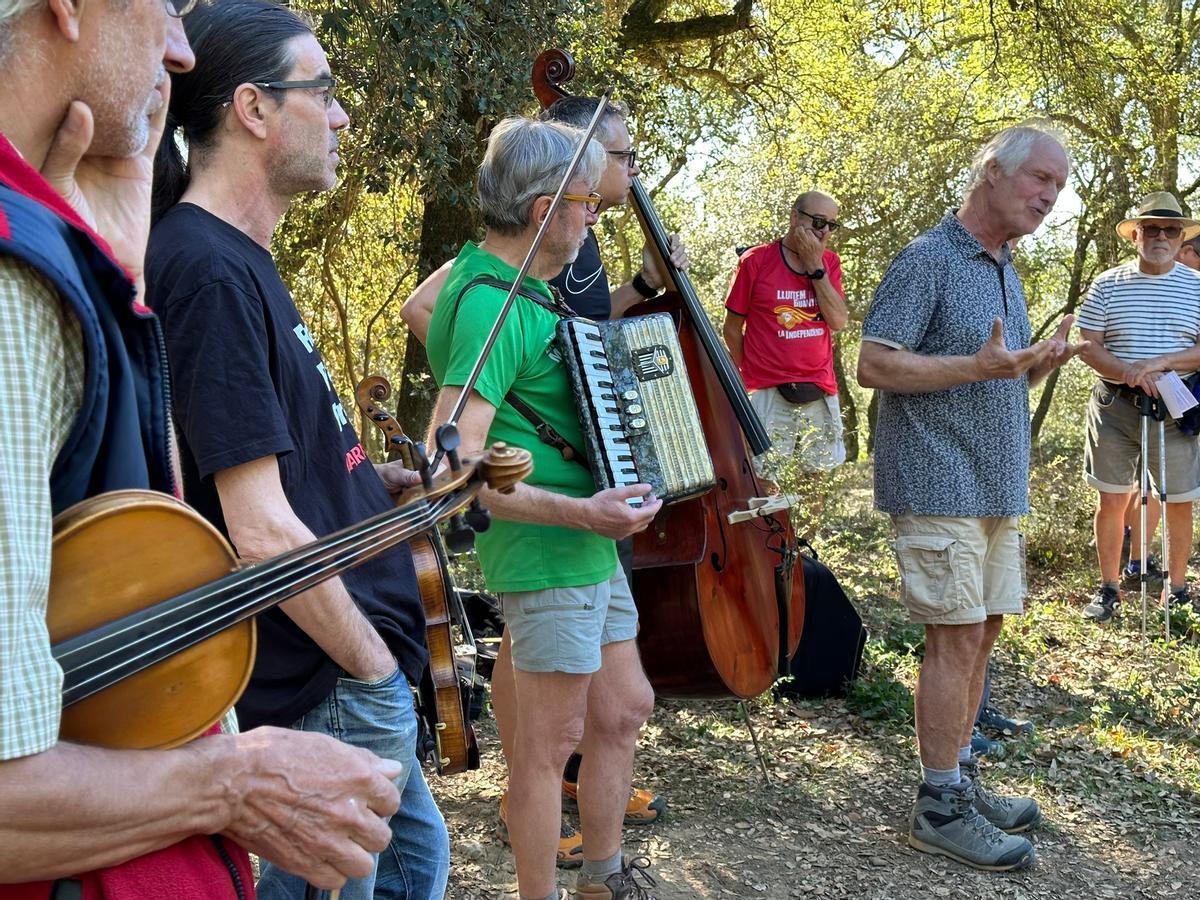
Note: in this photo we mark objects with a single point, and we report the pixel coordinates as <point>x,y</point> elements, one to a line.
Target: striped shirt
<point>41,386</point>
<point>1143,316</point>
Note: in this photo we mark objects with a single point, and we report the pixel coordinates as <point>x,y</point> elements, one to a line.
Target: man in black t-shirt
<point>269,454</point>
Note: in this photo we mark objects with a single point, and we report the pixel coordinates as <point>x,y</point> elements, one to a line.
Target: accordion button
<point>637,423</point>
<point>634,409</point>
<point>629,395</point>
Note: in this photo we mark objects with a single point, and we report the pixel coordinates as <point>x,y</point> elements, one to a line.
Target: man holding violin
<point>550,554</point>
<point>270,456</point>
<point>784,305</point>
<point>82,110</point>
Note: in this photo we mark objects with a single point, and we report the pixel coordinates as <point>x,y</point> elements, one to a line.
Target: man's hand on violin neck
<point>305,802</point>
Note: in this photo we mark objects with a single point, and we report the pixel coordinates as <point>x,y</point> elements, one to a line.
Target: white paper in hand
<point>1175,394</point>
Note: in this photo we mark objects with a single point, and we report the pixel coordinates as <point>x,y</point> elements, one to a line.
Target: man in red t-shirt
<point>785,302</point>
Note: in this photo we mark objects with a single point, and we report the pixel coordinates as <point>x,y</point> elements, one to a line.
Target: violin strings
<point>235,601</point>
<point>230,612</point>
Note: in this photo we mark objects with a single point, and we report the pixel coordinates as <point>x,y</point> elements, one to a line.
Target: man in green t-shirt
<point>550,554</point>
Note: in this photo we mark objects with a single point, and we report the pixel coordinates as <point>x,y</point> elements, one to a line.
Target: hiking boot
<point>570,839</point>
<point>1103,606</point>
<point>643,807</point>
<point>995,721</point>
<point>1131,574</point>
<point>945,821</point>
<point>631,883</point>
<point>1010,814</point>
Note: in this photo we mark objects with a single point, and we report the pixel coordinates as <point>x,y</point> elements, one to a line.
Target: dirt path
<point>833,822</point>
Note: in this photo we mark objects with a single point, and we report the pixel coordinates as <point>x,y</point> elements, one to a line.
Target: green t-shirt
<point>519,556</point>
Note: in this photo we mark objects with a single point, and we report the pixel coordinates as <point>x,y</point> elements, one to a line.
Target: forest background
<point>738,105</point>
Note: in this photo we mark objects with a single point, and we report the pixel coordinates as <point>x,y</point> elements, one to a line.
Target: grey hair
<point>526,159</point>
<point>578,111</point>
<point>10,11</point>
<point>1009,149</point>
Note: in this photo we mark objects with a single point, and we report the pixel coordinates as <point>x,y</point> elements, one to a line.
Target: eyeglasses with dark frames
<point>179,8</point>
<point>592,201</point>
<point>630,156</point>
<point>329,84</point>
<point>820,222</point>
<point>1170,232</point>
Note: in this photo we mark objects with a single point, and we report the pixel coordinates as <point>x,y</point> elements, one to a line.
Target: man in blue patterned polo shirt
<point>947,343</point>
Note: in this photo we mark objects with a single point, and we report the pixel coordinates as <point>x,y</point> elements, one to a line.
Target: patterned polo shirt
<point>41,384</point>
<point>962,451</point>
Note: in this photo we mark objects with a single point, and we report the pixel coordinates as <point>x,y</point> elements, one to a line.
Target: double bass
<point>721,605</point>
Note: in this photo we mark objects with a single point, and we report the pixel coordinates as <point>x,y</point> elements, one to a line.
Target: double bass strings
<point>227,601</point>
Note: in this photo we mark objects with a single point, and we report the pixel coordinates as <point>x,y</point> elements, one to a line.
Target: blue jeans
<point>379,717</point>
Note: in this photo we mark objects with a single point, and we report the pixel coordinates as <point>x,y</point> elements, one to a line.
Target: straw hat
<point>1159,205</point>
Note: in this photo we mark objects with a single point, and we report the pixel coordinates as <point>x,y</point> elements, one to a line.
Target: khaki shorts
<point>563,629</point>
<point>810,433</point>
<point>1113,450</point>
<point>957,571</point>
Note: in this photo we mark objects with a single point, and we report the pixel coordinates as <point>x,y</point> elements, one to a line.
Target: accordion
<point>639,419</point>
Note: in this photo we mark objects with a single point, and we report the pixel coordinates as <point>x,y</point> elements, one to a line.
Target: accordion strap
<point>546,432</point>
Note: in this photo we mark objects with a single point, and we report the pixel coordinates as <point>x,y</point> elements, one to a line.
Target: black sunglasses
<point>328,83</point>
<point>630,156</point>
<point>1170,232</point>
<point>820,222</point>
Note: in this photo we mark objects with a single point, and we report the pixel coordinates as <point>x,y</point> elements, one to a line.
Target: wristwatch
<point>642,287</point>
<point>816,274</point>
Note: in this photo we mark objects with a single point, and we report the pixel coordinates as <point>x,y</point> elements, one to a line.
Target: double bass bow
<point>721,605</point>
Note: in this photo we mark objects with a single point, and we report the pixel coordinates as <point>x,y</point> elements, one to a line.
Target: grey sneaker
<point>944,821</point>
<point>1103,606</point>
<point>1010,814</point>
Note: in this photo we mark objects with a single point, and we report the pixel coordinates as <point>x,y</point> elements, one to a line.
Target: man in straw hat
<point>1141,318</point>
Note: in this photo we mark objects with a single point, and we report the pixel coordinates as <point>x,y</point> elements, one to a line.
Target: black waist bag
<point>800,392</point>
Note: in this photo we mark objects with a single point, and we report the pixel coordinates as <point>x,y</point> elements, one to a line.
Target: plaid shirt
<point>41,379</point>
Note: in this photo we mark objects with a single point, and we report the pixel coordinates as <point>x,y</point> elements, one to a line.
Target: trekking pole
<point>1144,403</point>
<point>1160,413</point>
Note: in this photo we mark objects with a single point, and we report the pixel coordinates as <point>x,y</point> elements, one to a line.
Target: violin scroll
<point>503,467</point>
<point>370,395</point>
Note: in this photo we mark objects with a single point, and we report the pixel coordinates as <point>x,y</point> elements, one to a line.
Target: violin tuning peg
<point>460,537</point>
<point>478,518</point>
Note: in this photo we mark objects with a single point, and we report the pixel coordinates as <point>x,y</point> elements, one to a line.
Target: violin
<point>455,748</point>
<point>719,593</point>
<point>151,614</point>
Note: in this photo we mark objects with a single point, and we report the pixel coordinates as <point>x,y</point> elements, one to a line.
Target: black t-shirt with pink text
<point>249,382</point>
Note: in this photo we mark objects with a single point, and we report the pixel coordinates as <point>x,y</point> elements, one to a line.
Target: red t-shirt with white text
<point>786,338</point>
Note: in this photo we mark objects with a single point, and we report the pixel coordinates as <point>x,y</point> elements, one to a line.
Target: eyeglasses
<point>180,8</point>
<point>1170,232</point>
<point>820,222</point>
<point>630,156</point>
<point>592,201</point>
<point>328,95</point>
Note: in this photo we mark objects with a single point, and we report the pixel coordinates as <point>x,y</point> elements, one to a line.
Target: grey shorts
<point>809,433</point>
<point>1112,452</point>
<point>563,629</point>
<point>957,571</point>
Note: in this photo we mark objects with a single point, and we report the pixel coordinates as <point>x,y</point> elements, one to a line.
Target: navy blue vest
<point>121,437</point>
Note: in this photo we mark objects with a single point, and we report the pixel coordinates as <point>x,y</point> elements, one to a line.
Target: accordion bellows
<point>639,418</point>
